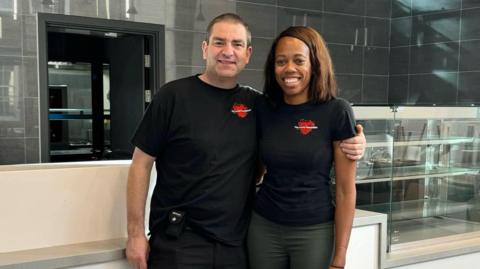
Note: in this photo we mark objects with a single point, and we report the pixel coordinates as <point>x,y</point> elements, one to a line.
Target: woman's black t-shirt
<point>296,146</point>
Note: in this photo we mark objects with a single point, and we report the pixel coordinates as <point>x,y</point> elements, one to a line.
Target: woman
<point>301,124</point>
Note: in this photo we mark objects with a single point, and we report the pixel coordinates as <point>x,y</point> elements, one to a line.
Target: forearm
<point>137,189</point>
<point>136,198</point>
<point>344,213</point>
<point>345,198</point>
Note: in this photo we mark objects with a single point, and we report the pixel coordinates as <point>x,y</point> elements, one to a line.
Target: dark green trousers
<point>275,246</point>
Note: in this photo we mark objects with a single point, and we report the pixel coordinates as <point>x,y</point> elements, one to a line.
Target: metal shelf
<point>414,209</point>
<point>439,173</point>
<point>71,110</point>
<point>449,141</point>
<point>69,117</point>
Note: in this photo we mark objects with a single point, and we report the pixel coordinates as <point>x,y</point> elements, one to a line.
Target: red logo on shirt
<point>240,110</point>
<point>305,126</point>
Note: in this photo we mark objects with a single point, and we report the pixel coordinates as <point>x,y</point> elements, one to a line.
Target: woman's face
<point>293,69</point>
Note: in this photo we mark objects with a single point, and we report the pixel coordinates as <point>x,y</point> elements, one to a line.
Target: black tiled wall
<point>434,52</point>
<point>358,37</point>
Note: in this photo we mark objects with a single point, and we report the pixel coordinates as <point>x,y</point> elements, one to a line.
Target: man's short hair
<point>230,17</point>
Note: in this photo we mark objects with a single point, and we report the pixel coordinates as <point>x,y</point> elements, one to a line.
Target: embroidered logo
<point>305,126</point>
<point>240,110</point>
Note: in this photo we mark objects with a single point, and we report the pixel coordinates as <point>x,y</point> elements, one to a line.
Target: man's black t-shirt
<point>296,146</point>
<point>204,141</point>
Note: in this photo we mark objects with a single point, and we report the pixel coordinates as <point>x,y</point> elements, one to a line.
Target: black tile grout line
<point>202,66</point>
<point>443,42</point>
<point>457,86</point>
<point>355,74</point>
<point>347,74</point>
<point>420,74</point>
<point>257,4</point>
<point>390,51</point>
<point>345,44</point>
<point>332,12</point>
<point>434,12</point>
<point>365,42</point>
<point>169,29</point>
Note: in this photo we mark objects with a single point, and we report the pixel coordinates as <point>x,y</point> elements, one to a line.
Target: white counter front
<point>61,204</point>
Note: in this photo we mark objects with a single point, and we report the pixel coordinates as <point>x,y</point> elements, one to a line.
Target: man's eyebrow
<point>238,41</point>
<point>233,41</point>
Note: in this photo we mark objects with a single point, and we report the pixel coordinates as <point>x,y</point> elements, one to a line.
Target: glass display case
<point>74,109</point>
<point>421,167</point>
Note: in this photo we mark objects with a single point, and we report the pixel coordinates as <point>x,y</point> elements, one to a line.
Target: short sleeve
<point>151,133</point>
<point>343,120</point>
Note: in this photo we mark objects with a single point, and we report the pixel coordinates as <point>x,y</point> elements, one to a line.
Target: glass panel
<point>70,109</point>
<point>378,128</point>
<point>106,105</point>
<point>449,206</point>
<point>435,173</point>
<point>374,170</point>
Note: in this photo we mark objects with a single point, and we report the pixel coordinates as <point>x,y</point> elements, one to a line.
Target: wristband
<point>336,266</point>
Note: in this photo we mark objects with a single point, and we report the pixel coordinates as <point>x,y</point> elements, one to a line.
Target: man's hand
<point>354,147</point>
<point>137,251</point>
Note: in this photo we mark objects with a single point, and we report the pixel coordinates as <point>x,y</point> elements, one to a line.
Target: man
<point>200,132</point>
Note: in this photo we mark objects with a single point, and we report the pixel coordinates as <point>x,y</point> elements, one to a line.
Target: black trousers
<point>276,246</point>
<point>193,251</point>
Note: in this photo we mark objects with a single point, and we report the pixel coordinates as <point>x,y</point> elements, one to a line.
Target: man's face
<point>226,52</point>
